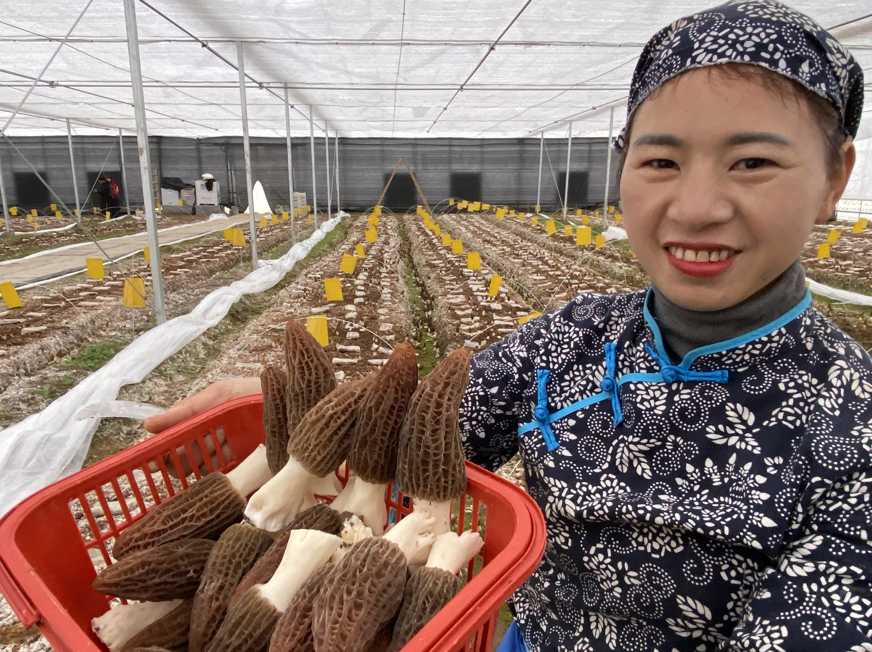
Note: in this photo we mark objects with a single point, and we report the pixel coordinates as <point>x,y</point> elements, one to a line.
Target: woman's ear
<point>838,181</point>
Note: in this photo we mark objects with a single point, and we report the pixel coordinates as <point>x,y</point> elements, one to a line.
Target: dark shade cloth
<point>759,32</point>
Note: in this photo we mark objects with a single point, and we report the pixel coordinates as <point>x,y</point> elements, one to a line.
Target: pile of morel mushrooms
<point>302,574</point>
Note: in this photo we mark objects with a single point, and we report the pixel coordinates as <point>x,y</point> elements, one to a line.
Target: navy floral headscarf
<point>758,32</point>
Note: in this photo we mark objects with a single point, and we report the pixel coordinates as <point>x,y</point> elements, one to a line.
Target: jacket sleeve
<point>817,597</point>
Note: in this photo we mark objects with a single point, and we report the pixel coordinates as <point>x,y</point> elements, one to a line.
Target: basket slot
<point>97,539</point>
<point>174,456</point>
<point>207,457</point>
<point>192,460</point>
<point>167,483</point>
<point>134,488</point>
<point>219,441</point>
<point>149,479</point>
<point>122,499</point>
<point>76,506</point>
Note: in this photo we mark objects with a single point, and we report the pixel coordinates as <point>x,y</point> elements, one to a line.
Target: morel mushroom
<point>431,465</point>
<point>318,445</point>
<point>293,632</point>
<point>274,384</point>
<point>365,589</point>
<point>169,632</point>
<point>250,622</point>
<point>373,454</point>
<point>319,517</point>
<point>166,572</point>
<point>431,587</point>
<point>121,623</point>
<point>202,511</point>
<point>232,557</point>
<point>310,374</point>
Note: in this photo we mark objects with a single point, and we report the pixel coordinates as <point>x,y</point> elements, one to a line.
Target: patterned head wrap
<point>760,32</point>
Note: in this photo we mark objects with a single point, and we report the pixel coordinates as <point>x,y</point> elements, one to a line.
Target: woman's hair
<point>822,110</point>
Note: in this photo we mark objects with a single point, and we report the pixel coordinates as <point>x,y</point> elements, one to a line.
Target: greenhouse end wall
<point>503,171</point>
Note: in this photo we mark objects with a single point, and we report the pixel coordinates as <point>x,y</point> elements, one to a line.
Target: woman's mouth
<point>702,260</point>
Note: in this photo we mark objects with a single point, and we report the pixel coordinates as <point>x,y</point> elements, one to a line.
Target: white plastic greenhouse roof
<point>369,68</point>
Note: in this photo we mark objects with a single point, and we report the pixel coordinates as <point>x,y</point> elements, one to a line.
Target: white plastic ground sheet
<point>52,444</point>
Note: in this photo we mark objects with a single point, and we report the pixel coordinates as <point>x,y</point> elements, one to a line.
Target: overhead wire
<point>399,63</point>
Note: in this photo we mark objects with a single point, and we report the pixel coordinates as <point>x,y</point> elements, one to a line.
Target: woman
<point>701,450</point>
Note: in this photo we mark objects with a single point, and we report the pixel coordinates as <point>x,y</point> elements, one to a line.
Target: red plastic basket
<point>46,566</point>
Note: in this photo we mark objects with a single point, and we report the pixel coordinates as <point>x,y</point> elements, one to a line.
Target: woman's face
<point>722,184</point>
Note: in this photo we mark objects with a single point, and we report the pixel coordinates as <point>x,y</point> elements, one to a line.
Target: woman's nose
<point>699,198</point>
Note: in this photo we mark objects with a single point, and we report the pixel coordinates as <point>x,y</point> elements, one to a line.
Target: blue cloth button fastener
<point>541,413</point>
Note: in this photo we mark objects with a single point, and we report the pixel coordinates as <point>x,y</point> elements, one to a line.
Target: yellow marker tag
<point>261,222</point>
<point>275,219</point>
<point>534,221</point>
<point>582,236</point>
<point>473,260</point>
<point>147,253</point>
<point>371,235</point>
<point>228,235</point>
<point>377,212</point>
<point>333,289</point>
<point>501,213</point>
<point>618,218</point>
<point>522,217</point>
<point>611,210</point>
<point>158,208</point>
<point>348,263</point>
<point>532,315</point>
<point>578,212</point>
<point>181,203</point>
<point>476,206</point>
<point>58,214</point>
<point>29,219</point>
<point>13,211</point>
<point>54,207</point>
<point>33,212</point>
<point>317,326</point>
<point>462,204</point>
<point>550,227</point>
<point>823,251</point>
<point>457,246</point>
<point>567,230</point>
<point>538,208</point>
<point>238,238</point>
<point>860,224</point>
<point>358,249</point>
<point>634,255</point>
<point>600,241</point>
<point>833,236</point>
<point>285,215</point>
<point>9,295</point>
<point>108,215</point>
<point>485,206</point>
<point>95,267</point>
<point>511,213</point>
<point>373,220</point>
<point>437,229</point>
<point>494,285</point>
<point>446,239</point>
<point>134,293</point>
<point>310,218</point>
<point>451,201</point>
<point>585,220</point>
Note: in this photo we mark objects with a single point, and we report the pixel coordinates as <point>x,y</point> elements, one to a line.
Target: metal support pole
<point>336,168</point>
<point>608,167</point>
<point>290,165</point>
<point>539,183</point>
<point>566,185</point>
<point>312,147</point>
<point>144,161</point>
<point>5,205</point>
<point>124,171</point>
<point>246,147</point>
<point>327,168</point>
<point>73,168</point>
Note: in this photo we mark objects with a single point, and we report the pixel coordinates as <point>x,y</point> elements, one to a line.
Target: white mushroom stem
<point>120,624</point>
<point>329,486</point>
<point>412,534</point>
<point>439,511</point>
<point>339,503</point>
<point>367,501</point>
<point>289,491</point>
<point>251,473</point>
<point>451,552</point>
<point>307,551</point>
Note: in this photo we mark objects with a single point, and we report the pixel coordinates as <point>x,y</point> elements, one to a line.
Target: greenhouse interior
<point>390,325</point>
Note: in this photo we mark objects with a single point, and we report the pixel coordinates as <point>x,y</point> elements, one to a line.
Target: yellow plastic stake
<point>9,295</point>
<point>437,229</point>
<point>824,251</point>
<point>377,212</point>
<point>501,213</point>
<point>567,230</point>
<point>285,216</point>
<point>13,211</point>
<point>522,217</point>
<point>618,218</point>
<point>473,260</point>
<point>585,220</point>
<point>275,219</point>
<point>261,222</point>
<point>147,253</point>
<point>58,214</point>
<point>446,239</point>
<point>333,289</point>
<point>578,212</point>
<point>511,213</point>
<point>371,235</point>
<point>534,221</point>
<point>611,210</point>
<point>134,293</point>
<point>310,218</point>
<point>33,212</point>
<point>476,206</point>
<point>358,249</point>
<point>451,201</point>
<point>462,204</point>
<point>108,215</point>
<point>600,241</point>
<point>833,236</point>
<point>485,207</point>
<point>373,220</point>
<point>582,236</point>
<point>526,318</point>
<point>54,208</point>
<point>494,285</point>
<point>29,218</point>
<point>95,267</point>
<point>550,227</point>
<point>317,326</point>
<point>348,263</point>
<point>35,226</point>
<point>181,203</point>
<point>860,224</point>
<point>228,235</point>
<point>238,238</point>
<point>457,246</point>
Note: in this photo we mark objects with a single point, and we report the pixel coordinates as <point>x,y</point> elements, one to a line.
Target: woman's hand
<point>215,394</point>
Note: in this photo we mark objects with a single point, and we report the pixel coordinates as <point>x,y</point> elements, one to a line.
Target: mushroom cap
<point>239,547</point>
<point>202,511</point>
<point>363,592</point>
<point>248,626</point>
<point>426,592</point>
<point>169,632</point>
<point>317,517</point>
<point>431,464</point>
<point>310,374</point>
<point>321,440</point>
<point>164,572</point>
<point>373,454</point>
<point>274,384</point>
<point>293,632</point>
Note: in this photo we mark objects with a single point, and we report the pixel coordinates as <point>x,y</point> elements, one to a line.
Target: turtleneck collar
<point>684,330</point>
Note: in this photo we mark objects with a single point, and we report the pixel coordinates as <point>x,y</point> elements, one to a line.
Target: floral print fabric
<point>759,32</point>
<point>731,516</point>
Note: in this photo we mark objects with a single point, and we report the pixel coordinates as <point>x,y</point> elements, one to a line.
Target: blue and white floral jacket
<point>723,503</point>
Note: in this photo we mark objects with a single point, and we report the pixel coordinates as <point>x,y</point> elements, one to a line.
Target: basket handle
<point>21,605</point>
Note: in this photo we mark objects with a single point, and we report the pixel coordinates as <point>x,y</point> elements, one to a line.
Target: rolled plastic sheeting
<point>119,410</point>
<point>839,295</point>
<point>615,233</point>
<point>51,444</point>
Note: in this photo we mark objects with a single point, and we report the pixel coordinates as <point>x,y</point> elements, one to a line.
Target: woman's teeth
<point>693,256</point>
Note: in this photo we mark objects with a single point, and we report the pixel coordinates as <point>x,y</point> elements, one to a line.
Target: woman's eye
<point>662,164</point>
<point>752,163</point>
